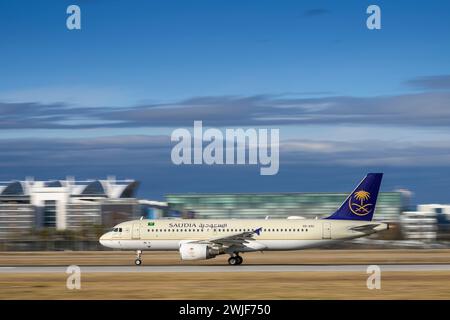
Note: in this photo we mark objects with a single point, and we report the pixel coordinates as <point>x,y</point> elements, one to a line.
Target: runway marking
<point>226,268</point>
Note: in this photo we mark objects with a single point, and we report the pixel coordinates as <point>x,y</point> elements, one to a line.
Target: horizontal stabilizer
<point>365,228</point>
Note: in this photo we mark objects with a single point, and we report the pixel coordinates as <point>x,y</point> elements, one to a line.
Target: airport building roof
<point>108,188</point>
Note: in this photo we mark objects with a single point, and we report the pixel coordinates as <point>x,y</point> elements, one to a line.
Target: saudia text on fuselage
<point>197,225</point>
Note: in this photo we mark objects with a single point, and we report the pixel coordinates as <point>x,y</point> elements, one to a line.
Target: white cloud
<point>76,95</point>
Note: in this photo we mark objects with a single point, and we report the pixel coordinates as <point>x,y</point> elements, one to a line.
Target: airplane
<point>199,239</point>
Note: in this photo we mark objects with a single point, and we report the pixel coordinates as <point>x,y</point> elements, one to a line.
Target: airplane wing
<point>366,228</point>
<point>234,239</point>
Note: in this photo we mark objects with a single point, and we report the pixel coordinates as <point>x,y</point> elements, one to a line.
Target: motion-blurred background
<point>71,215</point>
<point>86,115</point>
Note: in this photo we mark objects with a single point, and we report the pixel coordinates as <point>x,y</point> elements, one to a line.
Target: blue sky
<point>104,99</point>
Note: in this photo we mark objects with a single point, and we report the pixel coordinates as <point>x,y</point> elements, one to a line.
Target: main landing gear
<point>235,260</point>
<point>138,260</point>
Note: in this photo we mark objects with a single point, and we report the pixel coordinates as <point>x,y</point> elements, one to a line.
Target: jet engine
<point>197,251</point>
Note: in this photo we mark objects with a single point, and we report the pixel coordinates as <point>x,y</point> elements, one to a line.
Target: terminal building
<point>69,205</point>
<point>389,207</point>
<point>429,222</point>
<point>26,206</point>
<point>278,205</point>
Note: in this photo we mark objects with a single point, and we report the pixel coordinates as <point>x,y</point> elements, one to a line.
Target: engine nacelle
<point>197,251</point>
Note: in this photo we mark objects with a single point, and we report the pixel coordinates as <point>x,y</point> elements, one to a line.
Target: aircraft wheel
<point>138,262</point>
<point>239,259</point>
<point>233,261</point>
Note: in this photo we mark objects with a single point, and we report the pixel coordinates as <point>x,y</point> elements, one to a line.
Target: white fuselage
<point>276,234</point>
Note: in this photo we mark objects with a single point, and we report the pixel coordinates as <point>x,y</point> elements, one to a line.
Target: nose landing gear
<point>235,260</point>
<point>138,260</point>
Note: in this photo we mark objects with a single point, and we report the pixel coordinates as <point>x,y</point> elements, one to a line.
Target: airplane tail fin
<point>360,204</point>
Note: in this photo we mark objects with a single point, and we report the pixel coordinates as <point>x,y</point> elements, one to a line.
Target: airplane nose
<point>102,240</point>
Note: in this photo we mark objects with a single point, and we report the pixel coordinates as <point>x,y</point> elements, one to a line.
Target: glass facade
<point>50,213</point>
<point>82,215</point>
<point>94,188</point>
<point>277,205</point>
<point>16,220</point>
<point>13,189</point>
<point>117,211</point>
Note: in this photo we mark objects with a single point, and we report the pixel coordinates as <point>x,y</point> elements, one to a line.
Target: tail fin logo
<point>357,205</point>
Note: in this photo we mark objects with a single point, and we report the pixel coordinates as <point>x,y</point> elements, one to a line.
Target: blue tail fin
<point>360,204</point>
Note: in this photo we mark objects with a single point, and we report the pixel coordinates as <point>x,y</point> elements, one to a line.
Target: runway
<point>226,268</point>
